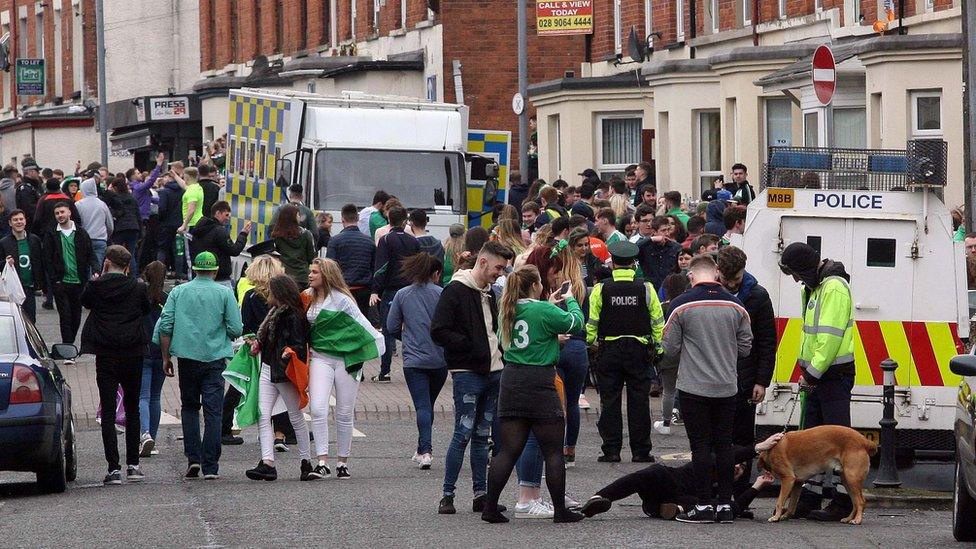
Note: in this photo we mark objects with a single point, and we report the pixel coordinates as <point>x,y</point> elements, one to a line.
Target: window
<point>709,148</point>
<point>648,20</point>
<point>679,20</point>
<point>817,5</point>
<point>926,113</point>
<point>259,162</point>
<point>38,347</point>
<point>330,19</point>
<point>375,23</point>
<point>782,9</point>
<point>811,129</point>
<point>555,147</point>
<point>618,46</point>
<point>620,143</point>
<point>22,37</point>
<point>403,14</point>
<point>58,58</point>
<point>39,32</point>
<point>850,128</point>
<point>815,242</point>
<point>279,13</point>
<point>352,19</point>
<point>713,7</point>
<point>881,252</point>
<point>850,12</point>
<point>746,13</point>
<point>8,335</point>
<point>929,6</point>
<point>779,122</point>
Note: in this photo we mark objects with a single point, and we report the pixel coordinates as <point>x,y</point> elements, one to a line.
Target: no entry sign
<point>824,75</point>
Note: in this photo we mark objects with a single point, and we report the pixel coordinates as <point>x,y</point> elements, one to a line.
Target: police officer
<point>627,321</point>
<point>826,357</point>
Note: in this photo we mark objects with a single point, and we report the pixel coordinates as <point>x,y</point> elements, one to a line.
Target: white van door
<point>882,270</point>
<point>828,236</point>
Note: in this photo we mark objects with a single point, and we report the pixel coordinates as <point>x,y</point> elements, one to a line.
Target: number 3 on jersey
<point>521,339</point>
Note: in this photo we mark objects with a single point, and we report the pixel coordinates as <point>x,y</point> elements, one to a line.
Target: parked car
<point>37,431</point>
<point>964,492</point>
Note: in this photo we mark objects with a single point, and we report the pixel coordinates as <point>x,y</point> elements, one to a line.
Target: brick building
<point>400,47</point>
<point>722,89</point>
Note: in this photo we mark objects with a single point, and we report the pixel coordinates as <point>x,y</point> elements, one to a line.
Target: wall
<point>56,147</point>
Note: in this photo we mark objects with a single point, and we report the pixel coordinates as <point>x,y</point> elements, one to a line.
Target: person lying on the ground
<point>666,491</point>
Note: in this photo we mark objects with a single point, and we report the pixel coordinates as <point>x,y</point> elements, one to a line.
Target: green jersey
<point>537,323</point>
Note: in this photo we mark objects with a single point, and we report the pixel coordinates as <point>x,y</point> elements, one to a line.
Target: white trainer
<point>535,509</point>
<point>661,428</point>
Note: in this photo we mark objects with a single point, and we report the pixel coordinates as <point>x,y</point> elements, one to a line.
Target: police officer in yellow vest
<point>826,356</point>
<point>627,320</point>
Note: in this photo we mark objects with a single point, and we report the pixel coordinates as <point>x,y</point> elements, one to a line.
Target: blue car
<point>37,431</point>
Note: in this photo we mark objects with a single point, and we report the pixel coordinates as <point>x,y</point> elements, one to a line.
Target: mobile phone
<point>564,288</point>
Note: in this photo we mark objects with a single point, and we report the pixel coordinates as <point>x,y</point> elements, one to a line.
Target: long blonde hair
<point>454,245</point>
<point>260,272</point>
<point>572,272</point>
<point>518,286</point>
<point>620,205</point>
<point>332,279</point>
<point>509,233</point>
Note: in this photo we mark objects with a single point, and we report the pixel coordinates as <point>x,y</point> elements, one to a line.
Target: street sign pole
<point>824,76</point>
<point>523,85</point>
<point>100,55</point>
<point>969,111</point>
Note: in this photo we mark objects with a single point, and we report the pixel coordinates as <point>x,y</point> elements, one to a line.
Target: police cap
<point>623,251</point>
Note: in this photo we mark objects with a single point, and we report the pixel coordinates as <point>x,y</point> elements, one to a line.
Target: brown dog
<point>802,454</point>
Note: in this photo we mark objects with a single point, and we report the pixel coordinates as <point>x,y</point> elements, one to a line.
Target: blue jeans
<point>573,366</point>
<point>475,404</point>
<point>424,386</point>
<point>98,249</point>
<point>529,466</point>
<point>201,383</point>
<point>386,300</point>
<point>152,388</point>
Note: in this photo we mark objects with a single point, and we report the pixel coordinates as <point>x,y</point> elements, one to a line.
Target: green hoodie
<point>296,255</point>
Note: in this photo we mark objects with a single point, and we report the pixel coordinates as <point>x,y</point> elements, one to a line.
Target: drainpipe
<point>693,13</point>
<point>755,22</point>
<point>901,18</point>
<point>174,73</point>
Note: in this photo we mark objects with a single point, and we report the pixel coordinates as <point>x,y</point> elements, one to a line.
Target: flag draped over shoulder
<point>342,335</point>
<point>243,374</point>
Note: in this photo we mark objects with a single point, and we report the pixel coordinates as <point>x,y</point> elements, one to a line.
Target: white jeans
<point>324,373</point>
<point>268,394</point>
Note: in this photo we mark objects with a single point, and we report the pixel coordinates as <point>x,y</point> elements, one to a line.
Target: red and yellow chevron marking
<point>921,349</point>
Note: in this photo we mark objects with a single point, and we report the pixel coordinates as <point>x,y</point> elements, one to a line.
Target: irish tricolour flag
<point>347,334</point>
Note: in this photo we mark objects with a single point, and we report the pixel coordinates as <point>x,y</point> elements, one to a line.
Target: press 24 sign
<point>564,17</point>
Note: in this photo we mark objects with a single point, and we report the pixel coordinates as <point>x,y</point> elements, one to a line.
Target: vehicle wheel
<point>53,480</point>
<point>963,509</point>
<point>71,452</point>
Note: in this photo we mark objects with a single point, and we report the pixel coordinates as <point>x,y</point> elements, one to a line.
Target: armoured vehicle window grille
<point>881,252</point>
<point>815,242</point>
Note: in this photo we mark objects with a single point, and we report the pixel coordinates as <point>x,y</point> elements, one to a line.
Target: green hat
<point>623,251</point>
<point>205,261</point>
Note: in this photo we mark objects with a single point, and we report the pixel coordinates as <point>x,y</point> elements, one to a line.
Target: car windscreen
<point>419,179</point>
<point>8,336</point>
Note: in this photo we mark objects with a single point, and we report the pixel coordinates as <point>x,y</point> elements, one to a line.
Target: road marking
<point>681,456</point>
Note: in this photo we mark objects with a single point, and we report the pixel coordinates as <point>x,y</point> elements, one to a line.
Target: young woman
<point>509,233</point>
<point>281,337</point>
<point>678,231</point>
<point>424,367</point>
<point>453,248</point>
<point>684,260</point>
<point>150,410</point>
<point>528,400</point>
<point>627,225</point>
<point>295,244</point>
<point>328,371</point>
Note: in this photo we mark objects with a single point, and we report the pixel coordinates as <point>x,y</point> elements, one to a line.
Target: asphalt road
<point>387,503</point>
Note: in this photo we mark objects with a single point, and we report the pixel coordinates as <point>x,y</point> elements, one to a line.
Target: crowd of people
<point>603,284</point>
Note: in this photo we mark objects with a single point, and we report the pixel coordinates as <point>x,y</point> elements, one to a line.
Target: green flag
<point>243,374</point>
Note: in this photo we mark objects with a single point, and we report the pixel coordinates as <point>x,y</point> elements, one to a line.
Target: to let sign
<point>564,17</point>
<point>30,77</point>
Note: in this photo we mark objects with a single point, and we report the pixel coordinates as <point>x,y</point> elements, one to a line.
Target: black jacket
<point>210,236</point>
<point>253,310</point>
<point>757,367</point>
<point>459,327</point>
<point>171,205</point>
<point>354,252</point>
<point>149,325</point>
<point>392,249</point>
<point>27,197</point>
<point>54,257</point>
<point>8,245</point>
<point>211,192</point>
<point>291,330</point>
<point>125,212</point>
<point>658,260</point>
<point>114,326</point>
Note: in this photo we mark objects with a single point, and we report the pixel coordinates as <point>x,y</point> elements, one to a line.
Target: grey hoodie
<point>95,215</point>
<point>8,192</point>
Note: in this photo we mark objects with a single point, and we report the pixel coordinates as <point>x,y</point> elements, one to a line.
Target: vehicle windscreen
<point>8,335</point>
<point>419,179</point>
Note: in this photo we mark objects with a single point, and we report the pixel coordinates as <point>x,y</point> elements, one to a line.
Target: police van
<point>893,233</point>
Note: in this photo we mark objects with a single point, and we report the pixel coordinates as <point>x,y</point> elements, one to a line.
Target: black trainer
<point>724,514</point>
<point>596,505</point>
<point>231,440</point>
<point>493,517</point>
<point>306,470</point>
<point>567,515</point>
<point>113,478</point>
<point>478,504</point>
<point>446,506</point>
<point>381,378</point>
<point>834,511</point>
<point>698,514</point>
<point>263,471</point>
<point>342,471</point>
<point>643,458</point>
<point>609,458</point>
<point>280,446</point>
<point>318,472</point>
<point>192,471</point>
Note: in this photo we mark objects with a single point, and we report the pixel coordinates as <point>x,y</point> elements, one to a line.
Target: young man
<point>626,319</point>
<point>645,177</point>
<point>354,251</point>
<point>198,325</point>
<point>114,334</point>
<point>211,234</point>
<point>755,370</point>
<point>391,250</point>
<point>658,254</point>
<point>708,329</point>
<point>704,244</point>
<point>366,214</point>
<point>96,217</point>
<point>465,324</point>
<point>672,206</point>
<point>306,218</point>
<point>211,189</point>
<point>428,243</point>
<point>741,189</point>
<point>606,226</point>
<point>644,216</point>
<point>648,195</point>
<point>551,210</point>
<point>696,228</point>
<point>735,223</point>
<point>44,214</point>
<point>26,253</point>
<point>69,260</point>
<point>530,212</point>
<point>193,198</point>
<point>584,206</point>
<point>170,218</point>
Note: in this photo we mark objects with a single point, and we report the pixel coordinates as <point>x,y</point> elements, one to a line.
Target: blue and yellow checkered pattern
<point>499,143</point>
<point>257,130</point>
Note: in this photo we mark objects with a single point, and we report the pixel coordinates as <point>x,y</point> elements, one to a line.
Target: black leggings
<point>512,434</point>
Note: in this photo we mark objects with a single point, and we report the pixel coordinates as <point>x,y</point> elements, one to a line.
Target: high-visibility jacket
<point>654,311</point>
<point>828,327</point>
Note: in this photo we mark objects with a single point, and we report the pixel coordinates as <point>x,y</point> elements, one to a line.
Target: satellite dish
<point>4,52</point>
<point>636,48</point>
